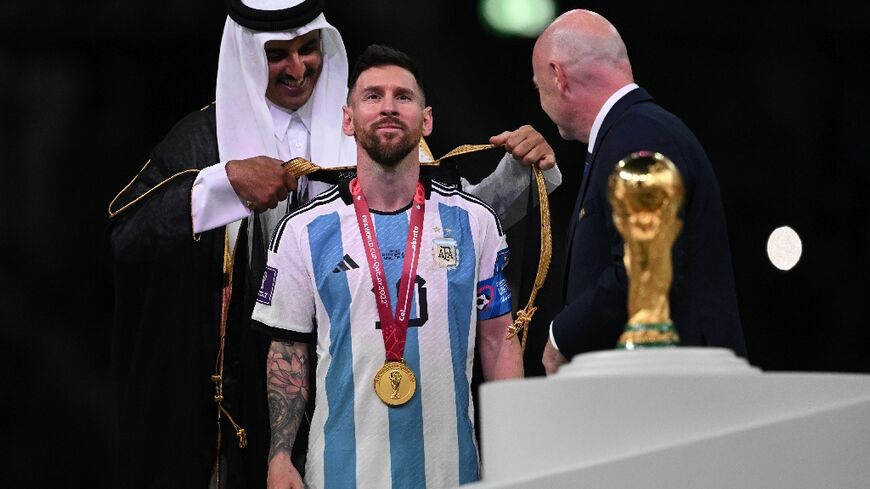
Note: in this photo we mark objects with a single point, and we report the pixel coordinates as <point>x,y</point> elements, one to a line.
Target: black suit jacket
<point>703,300</point>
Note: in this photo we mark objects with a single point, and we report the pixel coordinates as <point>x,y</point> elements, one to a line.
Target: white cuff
<point>552,338</point>
<point>213,202</point>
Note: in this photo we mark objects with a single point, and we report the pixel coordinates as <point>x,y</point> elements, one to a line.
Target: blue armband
<point>493,294</point>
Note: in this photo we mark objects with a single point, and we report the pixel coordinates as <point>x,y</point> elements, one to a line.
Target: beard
<point>388,152</point>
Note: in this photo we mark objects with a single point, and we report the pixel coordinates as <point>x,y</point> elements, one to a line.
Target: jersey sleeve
<point>493,293</point>
<point>506,189</point>
<point>285,306</point>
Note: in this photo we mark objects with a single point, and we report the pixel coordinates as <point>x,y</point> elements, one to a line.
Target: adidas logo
<point>345,264</point>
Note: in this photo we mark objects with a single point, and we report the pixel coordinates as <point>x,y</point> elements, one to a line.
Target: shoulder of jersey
<point>451,192</point>
<point>312,209</point>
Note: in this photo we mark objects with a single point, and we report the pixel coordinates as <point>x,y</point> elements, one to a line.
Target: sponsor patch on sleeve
<point>501,260</point>
<point>267,287</point>
<point>493,297</point>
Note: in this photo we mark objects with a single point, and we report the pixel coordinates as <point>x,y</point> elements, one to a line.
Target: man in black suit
<point>584,77</point>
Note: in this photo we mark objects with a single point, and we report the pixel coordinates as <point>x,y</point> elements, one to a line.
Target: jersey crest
<point>445,252</point>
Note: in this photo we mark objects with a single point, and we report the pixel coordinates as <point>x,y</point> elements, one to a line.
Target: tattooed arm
<point>287,392</point>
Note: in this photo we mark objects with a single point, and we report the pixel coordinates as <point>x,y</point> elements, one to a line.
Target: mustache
<point>284,78</point>
<point>389,121</point>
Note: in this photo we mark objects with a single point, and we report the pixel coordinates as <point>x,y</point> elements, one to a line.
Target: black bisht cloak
<point>168,291</point>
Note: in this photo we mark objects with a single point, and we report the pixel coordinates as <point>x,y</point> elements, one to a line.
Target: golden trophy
<point>646,192</point>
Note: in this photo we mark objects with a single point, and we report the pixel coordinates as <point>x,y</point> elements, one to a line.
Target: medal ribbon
<point>393,328</point>
<point>300,166</point>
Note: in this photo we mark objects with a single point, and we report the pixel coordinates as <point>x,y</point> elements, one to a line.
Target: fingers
<point>512,140</point>
<point>551,367</point>
<point>528,146</point>
<point>500,139</point>
<point>261,182</point>
<point>530,151</point>
<point>547,162</point>
<point>548,369</point>
<point>289,181</point>
<point>552,359</point>
<point>281,194</point>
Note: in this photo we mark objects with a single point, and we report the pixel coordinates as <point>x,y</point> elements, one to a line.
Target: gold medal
<point>395,383</point>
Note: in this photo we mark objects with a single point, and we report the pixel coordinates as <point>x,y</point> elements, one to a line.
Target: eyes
<point>376,96</point>
<point>275,54</point>
<point>310,47</point>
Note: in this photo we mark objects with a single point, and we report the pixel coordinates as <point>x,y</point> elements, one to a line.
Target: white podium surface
<point>675,417</point>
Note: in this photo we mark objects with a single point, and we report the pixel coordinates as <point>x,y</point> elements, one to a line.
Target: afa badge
<point>445,252</point>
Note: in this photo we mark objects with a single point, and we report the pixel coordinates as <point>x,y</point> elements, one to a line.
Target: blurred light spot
<point>784,248</point>
<point>525,18</point>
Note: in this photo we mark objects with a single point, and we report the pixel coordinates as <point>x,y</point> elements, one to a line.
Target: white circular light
<point>526,18</point>
<point>784,248</point>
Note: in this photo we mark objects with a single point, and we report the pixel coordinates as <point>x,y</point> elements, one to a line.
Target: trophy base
<point>651,335</point>
<point>657,362</point>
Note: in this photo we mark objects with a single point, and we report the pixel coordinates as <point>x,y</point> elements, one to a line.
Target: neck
<point>388,189</point>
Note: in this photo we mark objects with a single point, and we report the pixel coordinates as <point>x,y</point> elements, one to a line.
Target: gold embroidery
<point>113,213</point>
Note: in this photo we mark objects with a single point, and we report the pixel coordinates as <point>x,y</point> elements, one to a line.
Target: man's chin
<point>389,157</point>
<point>386,148</point>
<point>291,102</point>
<point>567,136</point>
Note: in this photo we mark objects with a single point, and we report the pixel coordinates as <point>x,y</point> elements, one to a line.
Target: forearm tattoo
<point>287,391</point>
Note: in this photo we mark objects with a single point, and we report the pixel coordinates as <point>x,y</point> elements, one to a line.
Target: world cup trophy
<point>646,192</point>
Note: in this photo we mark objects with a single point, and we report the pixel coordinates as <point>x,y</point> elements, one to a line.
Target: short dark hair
<point>378,55</point>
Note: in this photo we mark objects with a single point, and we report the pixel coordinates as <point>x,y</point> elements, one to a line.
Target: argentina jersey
<point>317,273</point>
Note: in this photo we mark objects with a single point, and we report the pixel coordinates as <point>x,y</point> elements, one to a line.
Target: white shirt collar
<point>282,118</point>
<point>599,119</point>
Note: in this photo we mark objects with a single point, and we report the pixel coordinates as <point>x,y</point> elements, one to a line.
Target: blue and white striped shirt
<point>317,273</point>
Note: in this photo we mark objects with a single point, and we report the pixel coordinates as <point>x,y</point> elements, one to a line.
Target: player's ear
<point>427,121</point>
<point>347,120</point>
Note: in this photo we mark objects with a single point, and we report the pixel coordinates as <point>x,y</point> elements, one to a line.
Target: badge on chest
<point>445,253</point>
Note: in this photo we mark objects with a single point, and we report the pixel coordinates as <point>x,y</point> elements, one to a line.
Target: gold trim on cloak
<point>113,213</point>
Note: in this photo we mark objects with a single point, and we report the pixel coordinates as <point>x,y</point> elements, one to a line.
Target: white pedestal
<point>680,417</point>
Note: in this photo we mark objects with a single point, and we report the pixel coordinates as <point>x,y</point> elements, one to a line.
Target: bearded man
<point>388,237</point>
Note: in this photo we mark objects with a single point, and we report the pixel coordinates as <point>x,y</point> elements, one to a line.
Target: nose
<point>388,106</point>
<point>294,66</point>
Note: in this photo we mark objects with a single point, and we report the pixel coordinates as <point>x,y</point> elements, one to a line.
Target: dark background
<point>775,91</point>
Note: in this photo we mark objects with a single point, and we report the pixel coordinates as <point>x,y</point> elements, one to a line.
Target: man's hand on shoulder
<point>528,146</point>
<point>282,474</point>
<point>261,181</point>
